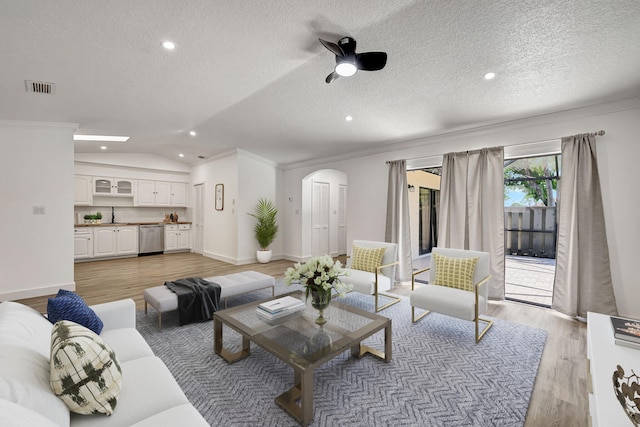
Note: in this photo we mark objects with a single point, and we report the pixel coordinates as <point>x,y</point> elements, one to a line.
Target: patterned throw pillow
<point>84,370</point>
<point>455,272</point>
<point>366,259</point>
<point>68,305</point>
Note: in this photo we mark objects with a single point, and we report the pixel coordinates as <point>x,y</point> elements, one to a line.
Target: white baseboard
<point>36,292</point>
<point>236,261</point>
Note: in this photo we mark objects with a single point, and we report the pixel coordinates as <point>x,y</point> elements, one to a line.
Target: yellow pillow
<point>455,272</point>
<point>366,259</point>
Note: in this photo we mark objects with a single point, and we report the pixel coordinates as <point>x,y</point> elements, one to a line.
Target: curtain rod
<point>597,133</point>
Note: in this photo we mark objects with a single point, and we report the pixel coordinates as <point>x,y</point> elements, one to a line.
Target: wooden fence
<point>530,231</point>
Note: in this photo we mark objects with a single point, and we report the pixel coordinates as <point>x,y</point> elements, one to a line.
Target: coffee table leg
<point>298,400</point>
<point>360,350</point>
<point>227,355</point>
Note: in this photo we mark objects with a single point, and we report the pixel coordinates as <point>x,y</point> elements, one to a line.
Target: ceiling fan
<point>348,62</point>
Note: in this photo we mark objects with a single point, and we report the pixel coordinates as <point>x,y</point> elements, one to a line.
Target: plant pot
<point>263,256</point>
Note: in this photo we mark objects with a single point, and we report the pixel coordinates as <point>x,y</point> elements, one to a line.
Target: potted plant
<point>265,229</point>
<point>93,218</point>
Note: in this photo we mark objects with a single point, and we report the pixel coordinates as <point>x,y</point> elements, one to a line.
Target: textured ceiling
<point>250,74</point>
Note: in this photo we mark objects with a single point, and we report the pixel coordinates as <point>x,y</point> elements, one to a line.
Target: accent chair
<point>371,270</point>
<point>457,287</point>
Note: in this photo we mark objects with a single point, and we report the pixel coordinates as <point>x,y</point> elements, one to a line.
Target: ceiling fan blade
<point>331,77</point>
<point>371,61</point>
<point>334,48</point>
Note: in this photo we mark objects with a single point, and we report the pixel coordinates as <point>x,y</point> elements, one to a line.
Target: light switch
<point>39,210</point>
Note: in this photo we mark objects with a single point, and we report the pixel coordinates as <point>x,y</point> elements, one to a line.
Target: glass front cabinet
<point>112,187</point>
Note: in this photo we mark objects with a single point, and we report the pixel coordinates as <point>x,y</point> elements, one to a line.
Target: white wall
<point>618,155</point>
<point>220,227</point>
<point>258,178</point>
<point>36,169</point>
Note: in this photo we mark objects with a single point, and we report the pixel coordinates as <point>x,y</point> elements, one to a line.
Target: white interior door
<point>198,230</point>
<point>342,220</point>
<point>320,219</point>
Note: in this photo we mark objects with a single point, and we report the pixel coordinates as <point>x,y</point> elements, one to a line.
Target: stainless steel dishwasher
<point>151,239</point>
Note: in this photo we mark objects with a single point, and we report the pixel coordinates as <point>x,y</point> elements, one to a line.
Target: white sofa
<point>150,395</point>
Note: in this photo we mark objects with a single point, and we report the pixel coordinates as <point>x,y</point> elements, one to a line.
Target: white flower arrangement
<point>320,273</point>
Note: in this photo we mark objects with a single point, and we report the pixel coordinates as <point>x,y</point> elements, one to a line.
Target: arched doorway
<point>324,213</point>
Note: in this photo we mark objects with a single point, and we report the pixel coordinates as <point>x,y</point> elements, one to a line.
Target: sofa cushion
<point>14,415</point>
<point>149,390</point>
<point>366,259</point>
<point>85,372</point>
<point>364,281</point>
<point>70,306</point>
<point>454,272</point>
<point>182,415</point>
<point>25,337</point>
<point>127,343</point>
<point>22,324</point>
<point>24,380</point>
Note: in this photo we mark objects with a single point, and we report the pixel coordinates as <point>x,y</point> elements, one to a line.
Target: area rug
<point>438,376</point>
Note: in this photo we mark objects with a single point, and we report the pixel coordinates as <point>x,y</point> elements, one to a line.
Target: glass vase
<point>320,300</point>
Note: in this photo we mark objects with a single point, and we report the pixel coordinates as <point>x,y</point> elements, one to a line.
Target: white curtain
<point>583,274</point>
<point>397,228</point>
<point>472,208</point>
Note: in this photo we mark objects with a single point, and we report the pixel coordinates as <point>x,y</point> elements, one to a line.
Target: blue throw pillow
<point>68,305</point>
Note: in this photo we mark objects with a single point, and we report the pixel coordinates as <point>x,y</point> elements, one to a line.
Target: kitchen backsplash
<point>130,214</point>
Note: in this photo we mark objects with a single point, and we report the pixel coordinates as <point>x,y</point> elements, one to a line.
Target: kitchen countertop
<point>107,224</point>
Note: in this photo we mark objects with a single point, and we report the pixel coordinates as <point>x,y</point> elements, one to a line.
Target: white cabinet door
<point>178,194</point>
<point>127,240</point>
<point>123,187</point>
<point>170,240</point>
<point>163,194</point>
<point>103,186</point>
<point>82,195</point>
<point>104,241</point>
<point>184,238</point>
<point>146,193</point>
<point>83,243</point>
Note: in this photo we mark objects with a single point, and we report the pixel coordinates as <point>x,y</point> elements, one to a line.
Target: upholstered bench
<point>162,299</point>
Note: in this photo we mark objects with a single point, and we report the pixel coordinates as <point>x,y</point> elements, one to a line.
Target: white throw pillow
<point>85,372</point>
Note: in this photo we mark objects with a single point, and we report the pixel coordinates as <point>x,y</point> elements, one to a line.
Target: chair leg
<point>486,328</point>
<point>393,297</point>
<point>414,319</point>
<point>145,307</point>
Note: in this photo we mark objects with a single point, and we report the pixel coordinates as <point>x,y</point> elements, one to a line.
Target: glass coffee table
<point>302,344</point>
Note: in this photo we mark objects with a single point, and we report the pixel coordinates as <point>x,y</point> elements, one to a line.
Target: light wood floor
<point>560,393</point>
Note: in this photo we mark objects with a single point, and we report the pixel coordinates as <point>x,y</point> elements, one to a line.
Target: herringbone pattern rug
<point>438,376</point>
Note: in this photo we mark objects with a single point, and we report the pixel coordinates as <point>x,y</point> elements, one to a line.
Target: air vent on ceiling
<point>201,157</point>
<point>40,87</point>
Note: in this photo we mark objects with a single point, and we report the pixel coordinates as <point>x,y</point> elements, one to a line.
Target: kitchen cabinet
<point>115,241</point>
<point>160,193</point>
<point>177,237</point>
<point>178,194</point>
<point>153,193</point>
<point>82,243</point>
<point>82,194</point>
<point>113,187</point>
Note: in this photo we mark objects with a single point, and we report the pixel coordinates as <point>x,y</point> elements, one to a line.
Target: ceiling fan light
<point>346,69</point>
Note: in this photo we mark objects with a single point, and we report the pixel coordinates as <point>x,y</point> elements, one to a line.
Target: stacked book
<point>280,307</point>
<point>626,331</point>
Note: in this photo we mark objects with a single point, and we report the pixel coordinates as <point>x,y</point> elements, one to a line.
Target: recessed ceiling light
<point>193,133</point>
<point>100,138</point>
<point>169,45</point>
<point>181,155</point>
<point>489,76</point>
<point>348,118</point>
<point>103,147</point>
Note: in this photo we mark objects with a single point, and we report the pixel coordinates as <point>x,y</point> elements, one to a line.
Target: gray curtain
<point>397,228</point>
<point>583,274</point>
<point>472,208</point>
